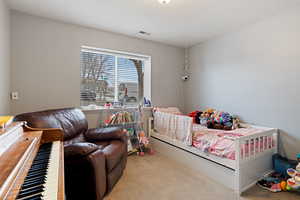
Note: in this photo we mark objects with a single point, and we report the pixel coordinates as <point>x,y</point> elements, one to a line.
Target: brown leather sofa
<point>94,158</point>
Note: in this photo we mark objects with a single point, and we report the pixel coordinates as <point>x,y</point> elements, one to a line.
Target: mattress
<point>221,143</point>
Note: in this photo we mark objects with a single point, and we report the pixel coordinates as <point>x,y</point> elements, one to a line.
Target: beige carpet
<point>159,178</point>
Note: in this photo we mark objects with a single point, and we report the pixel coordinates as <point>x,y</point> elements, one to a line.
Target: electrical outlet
<point>14,95</point>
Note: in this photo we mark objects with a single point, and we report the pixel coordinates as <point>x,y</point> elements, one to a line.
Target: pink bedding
<point>221,143</point>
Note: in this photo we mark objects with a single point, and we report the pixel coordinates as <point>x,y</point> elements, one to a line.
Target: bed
<point>235,158</point>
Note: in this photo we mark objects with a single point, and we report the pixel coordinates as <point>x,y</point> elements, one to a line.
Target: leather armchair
<point>94,158</point>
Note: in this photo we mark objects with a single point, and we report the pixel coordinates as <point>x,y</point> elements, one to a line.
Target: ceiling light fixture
<point>164,1</point>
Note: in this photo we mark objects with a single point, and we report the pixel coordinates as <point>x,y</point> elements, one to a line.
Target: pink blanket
<point>221,143</point>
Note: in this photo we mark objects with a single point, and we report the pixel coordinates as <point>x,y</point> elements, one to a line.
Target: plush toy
<point>220,120</point>
<point>196,116</point>
<point>235,123</point>
<point>143,139</point>
<point>293,183</point>
<point>205,116</point>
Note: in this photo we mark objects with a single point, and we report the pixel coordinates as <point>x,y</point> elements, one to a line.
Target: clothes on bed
<point>221,143</point>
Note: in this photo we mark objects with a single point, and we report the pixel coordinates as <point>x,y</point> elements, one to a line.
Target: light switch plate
<point>14,95</point>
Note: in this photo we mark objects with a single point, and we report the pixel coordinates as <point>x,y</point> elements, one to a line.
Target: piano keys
<point>36,172</point>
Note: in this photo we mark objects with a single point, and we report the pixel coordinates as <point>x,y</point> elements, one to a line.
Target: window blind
<point>110,78</point>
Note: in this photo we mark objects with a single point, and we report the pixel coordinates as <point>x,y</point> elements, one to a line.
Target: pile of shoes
<point>273,182</point>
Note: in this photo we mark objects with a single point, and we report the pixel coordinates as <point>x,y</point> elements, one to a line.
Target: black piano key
<point>42,158</point>
<point>29,185</point>
<point>43,154</point>
<point>40,162</point>
<point>31,192</point>
<point>35,174</point>
<point>37,170</point>
<point>31,189</point>
<point>39,166</point>
<point>46,151</point>
<point>34,179</point>
<point>25,186</point>
<point>32,197</point>
<point>27,179</point>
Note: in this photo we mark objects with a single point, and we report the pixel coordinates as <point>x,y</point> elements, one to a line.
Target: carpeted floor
<point>159,178</point>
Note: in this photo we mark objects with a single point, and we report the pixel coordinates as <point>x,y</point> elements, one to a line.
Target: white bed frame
<point>239,174</point>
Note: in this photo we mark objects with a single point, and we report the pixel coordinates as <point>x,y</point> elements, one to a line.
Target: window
<point>114,77</point>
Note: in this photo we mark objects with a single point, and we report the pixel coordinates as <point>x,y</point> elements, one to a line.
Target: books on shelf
<point>120,118</point>
<point>5,121</point>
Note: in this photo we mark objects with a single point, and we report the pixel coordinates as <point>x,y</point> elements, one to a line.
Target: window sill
<point>102,108</point>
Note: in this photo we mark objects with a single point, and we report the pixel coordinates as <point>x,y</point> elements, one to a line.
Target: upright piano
<point>31,163</point>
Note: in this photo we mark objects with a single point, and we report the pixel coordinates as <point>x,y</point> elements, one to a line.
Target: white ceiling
<point>181,23</point>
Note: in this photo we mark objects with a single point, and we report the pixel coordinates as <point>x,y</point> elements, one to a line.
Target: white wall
<point>46,63</point>
<point>254,73</point>
<point>4,58</point>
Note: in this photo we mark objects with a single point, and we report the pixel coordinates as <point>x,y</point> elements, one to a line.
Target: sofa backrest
<point>71,120</point>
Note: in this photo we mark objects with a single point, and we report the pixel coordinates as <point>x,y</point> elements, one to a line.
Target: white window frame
<point>145,58</point>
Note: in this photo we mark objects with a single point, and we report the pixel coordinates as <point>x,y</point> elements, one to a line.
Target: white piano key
<point>51,185</point>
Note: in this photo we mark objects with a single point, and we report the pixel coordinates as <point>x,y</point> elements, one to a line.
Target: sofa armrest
<point>85,176</point>
<point>102,134</point>
<point>81,149</point>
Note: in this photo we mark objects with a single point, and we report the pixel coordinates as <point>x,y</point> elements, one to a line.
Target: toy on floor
<point>273,182</point>
<point>144,146</point>
<point>278,181</point>
<point>293,183</point>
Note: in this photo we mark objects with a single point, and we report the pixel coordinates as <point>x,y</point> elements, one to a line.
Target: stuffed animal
<point>205,116</point>
<point>196,116</point>
<point>293,183</point>
<point>220,120</point>
<point>235,123</point>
